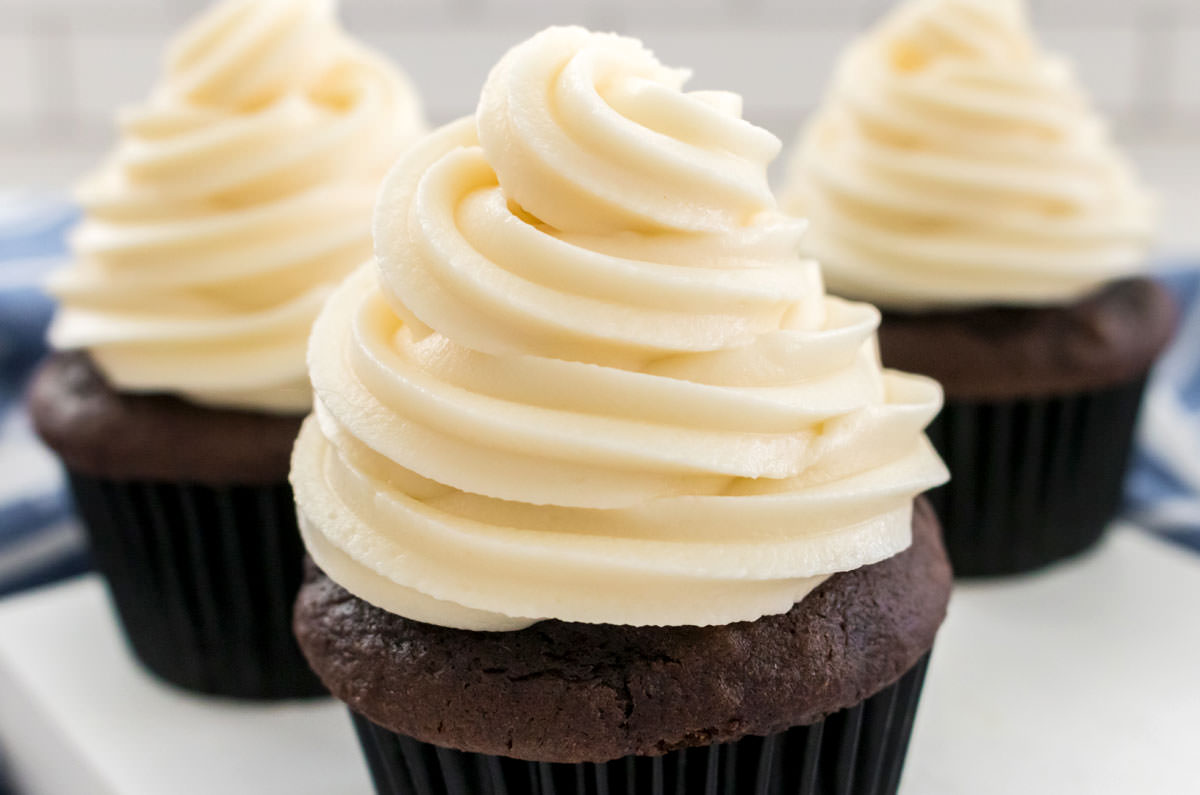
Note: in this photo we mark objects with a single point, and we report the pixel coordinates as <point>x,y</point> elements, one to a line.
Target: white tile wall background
<point>66,64</point>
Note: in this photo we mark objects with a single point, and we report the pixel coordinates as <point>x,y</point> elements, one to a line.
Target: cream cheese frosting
<point>239,194</point>
<point>588,375</point>
<point>955,163</point>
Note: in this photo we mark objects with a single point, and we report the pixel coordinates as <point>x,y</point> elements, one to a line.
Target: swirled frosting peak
<point>589,377</point>
<point>955,163</point>
<point>240,193</point>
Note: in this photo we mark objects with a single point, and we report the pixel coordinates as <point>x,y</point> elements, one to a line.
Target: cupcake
<point>957,177</point>
<point>602,492</point>
<point>239,195</point>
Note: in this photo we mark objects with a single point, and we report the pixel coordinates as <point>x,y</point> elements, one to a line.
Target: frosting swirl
<point>634,405</point>
<point>953,163</point>
<point>240,194</point>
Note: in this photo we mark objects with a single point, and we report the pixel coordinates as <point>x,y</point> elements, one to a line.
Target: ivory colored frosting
<point>239,194</point>
<point>955,163</point>
<point>589,376</point>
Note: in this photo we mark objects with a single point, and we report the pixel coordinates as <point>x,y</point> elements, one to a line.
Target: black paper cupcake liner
<point>1032,481</point>
<point>203,580</point>
<point>857,751</point>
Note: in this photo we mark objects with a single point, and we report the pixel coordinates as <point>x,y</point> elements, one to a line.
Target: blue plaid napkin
<point>40,540</point>
<point>1163,489</point>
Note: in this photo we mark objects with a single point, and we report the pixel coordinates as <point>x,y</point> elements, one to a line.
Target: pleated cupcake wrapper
<point>203,580</point>
<point>857,751</point>
<point>1033,481</point>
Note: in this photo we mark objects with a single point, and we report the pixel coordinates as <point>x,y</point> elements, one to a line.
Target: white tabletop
<point>1083,679</point>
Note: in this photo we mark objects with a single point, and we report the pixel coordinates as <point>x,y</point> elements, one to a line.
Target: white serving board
<point>1082,679</point>
<point>78,717</point>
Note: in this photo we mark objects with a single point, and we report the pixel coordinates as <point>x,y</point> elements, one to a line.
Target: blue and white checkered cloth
<point>40,540</point>
<point>1163,489</point>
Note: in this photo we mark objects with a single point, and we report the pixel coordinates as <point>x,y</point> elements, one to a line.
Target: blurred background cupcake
<point>239,194</point>
<point>598,476</point>
<point>957,176</point>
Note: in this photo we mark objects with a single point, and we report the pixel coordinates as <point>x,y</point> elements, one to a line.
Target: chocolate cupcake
<point>790,703</point>
<point>239,195</point>
<point>957,177</point>
<point>603,493</point>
